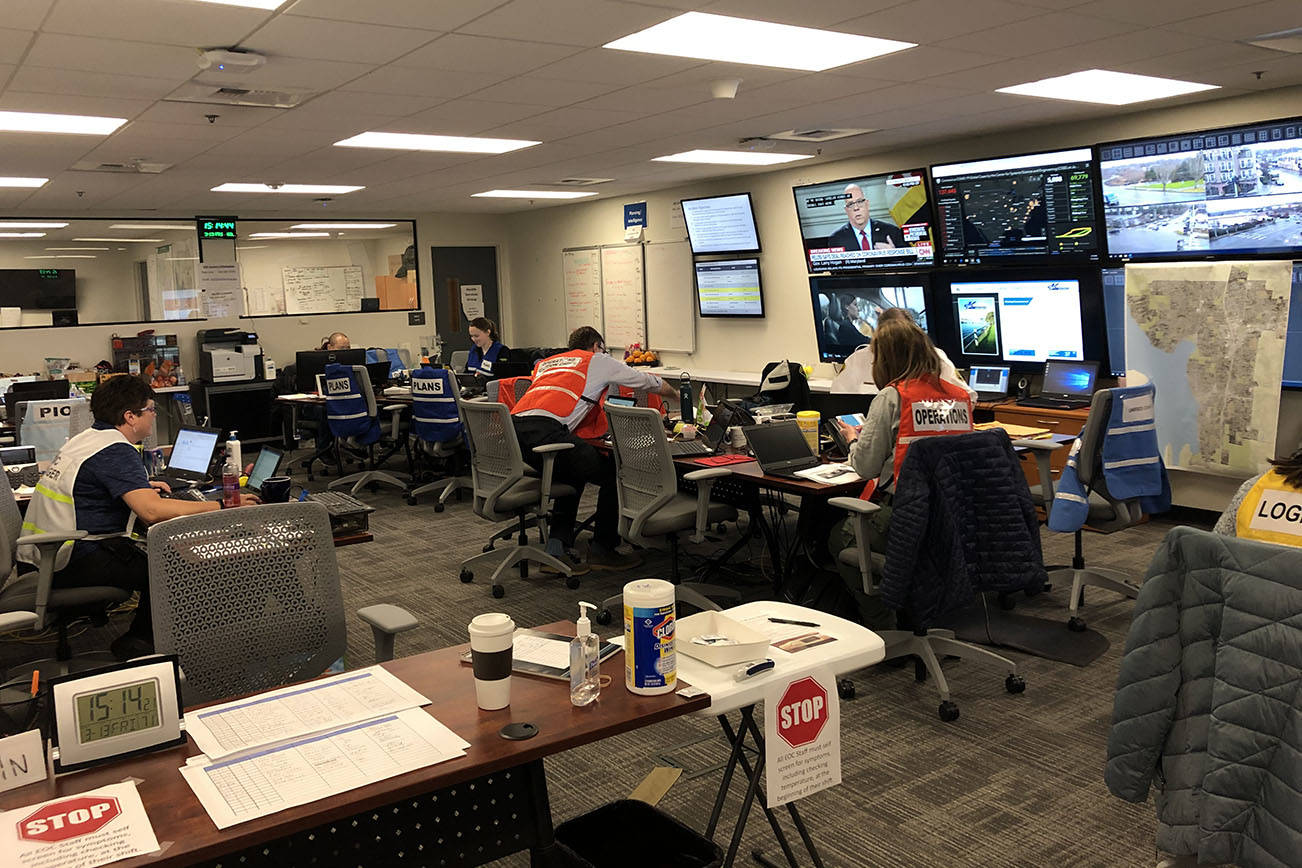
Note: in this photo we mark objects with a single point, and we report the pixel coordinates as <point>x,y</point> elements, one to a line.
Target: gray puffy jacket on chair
<point>1209,700</point>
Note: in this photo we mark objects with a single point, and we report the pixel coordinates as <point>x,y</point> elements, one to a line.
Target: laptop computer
<point>991,383</point>
<point>192,453</point>
<point>780,448</point>
<point>1067,385</point>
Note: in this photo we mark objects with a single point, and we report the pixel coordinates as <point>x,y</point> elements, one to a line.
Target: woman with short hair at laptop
<point>486,349</point>
<point>907,370</point>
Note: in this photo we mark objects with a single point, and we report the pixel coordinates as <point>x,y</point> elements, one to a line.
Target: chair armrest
<point>47,544</point>
<point>854,504</point>
<point>386,620</point>
<point>704,480</point>
<point>395,411</point>
<point>859,511</point>
<point>707,473</point>
<point>548,452</point>
<point>41,539</point>
<point>548,448</point>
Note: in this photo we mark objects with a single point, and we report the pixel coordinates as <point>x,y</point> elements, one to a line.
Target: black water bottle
<point>685,397</point>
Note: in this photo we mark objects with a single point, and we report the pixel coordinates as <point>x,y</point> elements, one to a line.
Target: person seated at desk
<point>1260,509</point>
<point>947,370</point>
<point>486,349</point>
<point>564,405</point>
<point>97,483</point>
<point>907,364</point>
<point>336,341</point>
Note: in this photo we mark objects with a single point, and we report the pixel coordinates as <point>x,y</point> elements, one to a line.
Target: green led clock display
<point>222,227</point>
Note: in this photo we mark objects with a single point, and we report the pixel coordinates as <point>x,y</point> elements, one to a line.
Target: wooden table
<point>188,836</point>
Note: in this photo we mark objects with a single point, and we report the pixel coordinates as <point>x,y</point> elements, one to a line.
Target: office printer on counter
<point>229,355</point>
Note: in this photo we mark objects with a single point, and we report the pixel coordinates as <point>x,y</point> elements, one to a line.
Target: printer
<point>229,355</point>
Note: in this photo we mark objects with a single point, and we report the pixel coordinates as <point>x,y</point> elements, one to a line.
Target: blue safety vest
<point>477,363</point>
<point>346,410</point>
<point>434,416</point>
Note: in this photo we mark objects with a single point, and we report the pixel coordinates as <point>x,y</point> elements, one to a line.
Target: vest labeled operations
<point>929,406</point>
<point>1271,512</point>
<point>558,384</point>
<point>53,509</point>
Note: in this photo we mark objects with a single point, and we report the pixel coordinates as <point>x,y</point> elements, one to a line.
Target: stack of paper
<point>1015,432</point>
<point>298,744</point>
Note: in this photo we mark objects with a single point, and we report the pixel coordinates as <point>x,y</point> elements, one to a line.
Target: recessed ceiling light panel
<point>1106,87</point>
<point>77,125</point>
<point>532,194</point>
<point>150,227</point>
<point>290,235</point>
<point>9,224</point>
<point>732,158</point>
<point>24,182</point>
<point>758,43</point>
<point>308,189</point>
<point>124,240</point>
<point>343,225</point>
<point>445,144</point>
<point>22,234</point>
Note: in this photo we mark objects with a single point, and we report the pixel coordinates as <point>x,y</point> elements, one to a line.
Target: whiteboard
<point>322,288</point>
<point>623,295</point>
<point>670,302</point>
<point>581,276</point>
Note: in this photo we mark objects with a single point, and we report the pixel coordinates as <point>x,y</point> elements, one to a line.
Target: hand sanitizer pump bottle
<point>585,660</point>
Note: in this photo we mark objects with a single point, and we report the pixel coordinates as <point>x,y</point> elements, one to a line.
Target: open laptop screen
<point>193,450</point>
<point>778,443</point>
<point>1069,379</point>
<point>989,379</point>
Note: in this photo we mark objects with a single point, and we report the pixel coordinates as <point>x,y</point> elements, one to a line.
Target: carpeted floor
<point>1016,781</point>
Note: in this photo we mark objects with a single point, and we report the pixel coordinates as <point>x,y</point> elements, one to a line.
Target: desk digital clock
<point>118,711</point>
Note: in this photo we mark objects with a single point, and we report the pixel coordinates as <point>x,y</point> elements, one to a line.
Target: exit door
<point>457,271</point>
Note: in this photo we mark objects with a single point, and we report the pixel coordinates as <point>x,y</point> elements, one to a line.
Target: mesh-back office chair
<point>249,598</point>
<point>47,425</point>
<point>1107,514</point>
<point>31,598</point>
<point>459,359</point>
<point>354,420</point>
<point>503,490</point>
<point>650,506</point>
<point>436,431</point>
<point>978,555</point>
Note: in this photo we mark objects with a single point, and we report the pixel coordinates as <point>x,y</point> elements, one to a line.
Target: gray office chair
<point>48,431</point>
<point>504,490</point>
<point>31,600</point>
<point>1107,514</point>
<point>651,509</point>
<point>458,360</point>
<point>395,437</point>
<point>249,599</point>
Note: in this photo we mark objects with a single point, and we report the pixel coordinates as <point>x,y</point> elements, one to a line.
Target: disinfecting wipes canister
<point>650,663</point>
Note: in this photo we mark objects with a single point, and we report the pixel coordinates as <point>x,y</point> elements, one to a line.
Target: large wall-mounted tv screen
<point>721,224</point>
<point>857,224</point>
<point>1036,207</point>
<point>1018,320</point>
<point>846,308</point>
<point>38,288</point>
<point>1229,192</point>
<point>729,287</point>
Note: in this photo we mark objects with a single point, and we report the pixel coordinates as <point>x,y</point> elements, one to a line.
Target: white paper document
<point>291,712</point>
<point>96,827</point>
<point>540,650</point>
<point>829,474</point>
<point>258,783</point>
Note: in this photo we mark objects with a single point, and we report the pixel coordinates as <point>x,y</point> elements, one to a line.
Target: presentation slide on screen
<point>881,221</point>
<point>1023,320</point>
<point>729,288</point>
<point>723,224</point>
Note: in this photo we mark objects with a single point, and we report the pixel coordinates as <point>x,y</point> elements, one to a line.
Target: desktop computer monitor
<point>36,390</point>
<point>846,308</point>
<point>309,363</point>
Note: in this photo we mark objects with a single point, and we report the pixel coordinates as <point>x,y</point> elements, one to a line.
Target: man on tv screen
<point>861,233</point>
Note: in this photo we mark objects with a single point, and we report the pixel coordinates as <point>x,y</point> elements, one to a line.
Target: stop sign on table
<point>68,818</point>
<point>802,712</point>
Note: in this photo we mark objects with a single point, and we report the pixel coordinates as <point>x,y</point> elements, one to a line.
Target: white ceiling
<point>535,69</point>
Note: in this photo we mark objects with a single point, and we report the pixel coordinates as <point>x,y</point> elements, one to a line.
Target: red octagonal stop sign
<point>69,818</point>
<point>802,712</point>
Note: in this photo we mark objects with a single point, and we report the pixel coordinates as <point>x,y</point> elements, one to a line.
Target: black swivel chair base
<point>520,556</point>
<point>1082,576</point>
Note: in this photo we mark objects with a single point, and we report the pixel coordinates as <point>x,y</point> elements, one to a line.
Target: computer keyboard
<point>339,503</point>
<point>194,494</point>
<point>1052,403</point>
<point>688,447</point>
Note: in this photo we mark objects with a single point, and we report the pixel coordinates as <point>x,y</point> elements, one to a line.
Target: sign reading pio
<point>69,818</point>
<point>802,712</point>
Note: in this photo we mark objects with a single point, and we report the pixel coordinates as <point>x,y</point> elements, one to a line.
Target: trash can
<point>633,834</point>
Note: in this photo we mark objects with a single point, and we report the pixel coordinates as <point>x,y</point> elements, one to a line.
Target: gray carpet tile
<point>1016,781</point>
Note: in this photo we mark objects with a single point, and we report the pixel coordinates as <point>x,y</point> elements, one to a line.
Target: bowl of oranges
<point>635,355</point>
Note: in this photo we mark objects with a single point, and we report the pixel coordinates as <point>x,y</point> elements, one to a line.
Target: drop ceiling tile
<point>189,24</point>
<point>297,73</point>
<point>917,63</point>
<point>264,140</point>
<point>336,125</point>
<point>823,13</point>
<point>342,102</point>
<point>171,151</point>
<point>114,56</point>
<point>931,21</point>
<point>146,131</point>
<point>1195,62</point>
<point>621,67</point>
<point>701,75</point>
<point>1282,71</point>
<point>648,100</point>
<point>35,79</point>
<point>422,14</point>
<point>1123,48</point>
<point>26,150</point>
<point>1005,73</point>
<point>538,91</point>
<point>317,39</point>
<point>164,112</point>
<point>467,117</point>
<point>1244,22</point>
<point>405,81</point>
<point>1046,33</point>
<point>12,45</point>
<point>562,123</point>
<point>568,22</point>
<point>26,14</point>
<point>1154,12</point>
<point>465,53</point>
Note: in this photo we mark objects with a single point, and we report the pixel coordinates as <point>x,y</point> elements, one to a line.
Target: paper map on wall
<point>1211,338</point>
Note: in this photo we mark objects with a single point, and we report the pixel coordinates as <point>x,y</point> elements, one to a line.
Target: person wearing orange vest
<point>914,403</point>
<point>1268,507</point>
<point>564,405</point>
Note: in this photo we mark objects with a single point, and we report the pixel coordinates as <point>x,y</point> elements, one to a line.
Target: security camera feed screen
<point>1229,192</point>
<point>846,309</point>
<point>1018,320</point>
<point>1039,206</point>
<point>858,224</point>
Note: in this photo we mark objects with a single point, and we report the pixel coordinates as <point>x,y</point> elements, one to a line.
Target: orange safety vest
<point>1271,512</point>
<point>558,384</point>
<point>929,406</point>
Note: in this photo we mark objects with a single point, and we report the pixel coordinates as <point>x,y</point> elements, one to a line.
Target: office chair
<point>354,421</point>
<point>31,600</point>
<point>459,358</point>
<point>504,490</point>
<point>1107,514</point>
<point>650,506</point>
<point>48,424</point>
<point>976,556</point>
<point>249,599</point>
<point>436,431</point>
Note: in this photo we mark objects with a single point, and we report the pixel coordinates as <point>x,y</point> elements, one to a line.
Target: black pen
<point>793,623</point>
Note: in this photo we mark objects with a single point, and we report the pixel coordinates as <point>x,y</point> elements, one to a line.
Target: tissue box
<point>749,644</point>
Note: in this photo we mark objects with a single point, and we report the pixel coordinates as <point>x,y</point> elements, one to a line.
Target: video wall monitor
<point>1017,320</point>
<point>1114,314</point>
<point>38,288</point>
<point>861,224</point>
<point>846,308</point>
<point>729,287</point>
<point>721,224</point>
<point>1036,207</point>
<point>1293,337</point>
<point>1230,192</point>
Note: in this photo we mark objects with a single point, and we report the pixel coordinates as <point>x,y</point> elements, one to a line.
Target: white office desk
<point>734,378</point>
